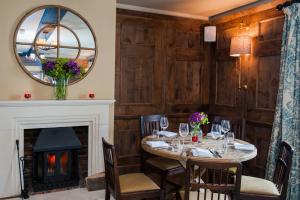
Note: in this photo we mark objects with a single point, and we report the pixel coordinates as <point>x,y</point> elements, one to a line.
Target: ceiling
<point>201,9</point>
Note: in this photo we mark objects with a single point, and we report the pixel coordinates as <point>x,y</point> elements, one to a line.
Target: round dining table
<point>230,153</point>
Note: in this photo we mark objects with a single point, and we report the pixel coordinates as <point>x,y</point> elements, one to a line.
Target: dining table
<point>207,143</point>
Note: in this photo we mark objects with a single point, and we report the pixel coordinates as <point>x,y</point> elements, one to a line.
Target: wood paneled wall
<point>161,68</point>
<point>259,71</point>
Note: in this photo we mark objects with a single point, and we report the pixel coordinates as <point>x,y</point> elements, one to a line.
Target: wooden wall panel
<point>160,69</point>
<point>259,71</point>
<point>226,81</point>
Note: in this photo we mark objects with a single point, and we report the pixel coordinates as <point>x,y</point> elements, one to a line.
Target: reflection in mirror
<point>40,36</point>
<point>67,38</point>
<point>86,58</point>
<point>68,53</point>
<point>80,28</point>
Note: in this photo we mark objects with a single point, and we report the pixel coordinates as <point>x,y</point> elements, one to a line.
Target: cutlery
<point>218,154</point>
<point>213,153</point>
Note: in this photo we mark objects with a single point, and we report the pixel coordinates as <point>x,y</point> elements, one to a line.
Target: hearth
<point>55,159</point>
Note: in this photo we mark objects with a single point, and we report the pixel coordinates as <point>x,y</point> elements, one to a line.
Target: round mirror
<point>51,32</point>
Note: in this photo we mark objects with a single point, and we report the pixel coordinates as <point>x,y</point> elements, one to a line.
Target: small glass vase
<point>197,135</point>
<point>61,88</point>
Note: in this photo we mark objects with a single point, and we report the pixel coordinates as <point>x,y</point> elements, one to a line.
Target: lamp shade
<point>210,33</point>
<point>240,45</point>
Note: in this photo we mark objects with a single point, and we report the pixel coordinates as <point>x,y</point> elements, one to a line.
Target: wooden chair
<point>260,189</point>
<point>162,166</point>
<point>210,180</point>
<point>127,186</point>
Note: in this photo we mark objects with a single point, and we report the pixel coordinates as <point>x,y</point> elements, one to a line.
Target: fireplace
<point>55,159</point>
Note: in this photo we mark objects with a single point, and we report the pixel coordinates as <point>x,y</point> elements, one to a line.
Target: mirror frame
<point>32,11</point>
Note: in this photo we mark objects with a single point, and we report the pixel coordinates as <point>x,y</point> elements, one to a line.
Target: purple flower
<point>72,67</point>
<point>48,66</point>
<point>198,118</point>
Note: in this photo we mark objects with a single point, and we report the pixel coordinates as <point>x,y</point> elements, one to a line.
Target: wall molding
<point>158,11</point>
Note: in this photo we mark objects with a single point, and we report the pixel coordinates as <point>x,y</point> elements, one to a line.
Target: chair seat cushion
<point>194,195</point>
<point>136,182</point>
<point>253,185</point>
<point>163,163</point>
<point>232,170</point>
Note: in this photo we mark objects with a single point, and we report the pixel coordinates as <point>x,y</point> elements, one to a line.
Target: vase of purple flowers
<point>196,120</point>
<point>61,70</point>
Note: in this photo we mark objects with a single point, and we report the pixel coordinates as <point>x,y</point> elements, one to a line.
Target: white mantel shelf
<point>26,103</point>
<point>17,116</point>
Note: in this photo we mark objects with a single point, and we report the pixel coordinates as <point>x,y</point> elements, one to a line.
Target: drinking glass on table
<point>155,133</point>
<point>164,123</point>
<point>230,138</point>
<point>215,130</point>
<point>183,130</point>
<point>225,126</point>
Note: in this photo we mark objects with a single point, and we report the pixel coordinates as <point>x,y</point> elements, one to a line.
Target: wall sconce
<point>210,33</point>
<point>240,45</point>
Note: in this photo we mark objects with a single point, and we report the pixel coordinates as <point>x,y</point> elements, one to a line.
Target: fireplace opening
<point>55,159</point>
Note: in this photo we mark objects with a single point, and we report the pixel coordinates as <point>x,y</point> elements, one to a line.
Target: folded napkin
<point>201,153</point>
<point>215,135</point>
<point>167,133</point>
<point>247,147</point>
<point>157,144</point>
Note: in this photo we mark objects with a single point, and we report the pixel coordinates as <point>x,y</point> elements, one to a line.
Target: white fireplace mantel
<point>16,116</point>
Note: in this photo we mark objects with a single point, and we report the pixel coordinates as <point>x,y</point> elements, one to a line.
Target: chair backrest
<point>149,123</point>
<point>283,168</point>
<point>237,126</point>
<point>211,179</point>
<point>111,170</point>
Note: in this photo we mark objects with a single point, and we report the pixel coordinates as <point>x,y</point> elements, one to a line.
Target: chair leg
<point>178,196</point>
<point>163,186</point>
<point>107,194</point>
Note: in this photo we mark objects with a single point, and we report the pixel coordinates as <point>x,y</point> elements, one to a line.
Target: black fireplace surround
<point>55,159</point>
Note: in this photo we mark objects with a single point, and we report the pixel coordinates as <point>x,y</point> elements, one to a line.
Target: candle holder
<point>27,95</point>
<point>91,95</point>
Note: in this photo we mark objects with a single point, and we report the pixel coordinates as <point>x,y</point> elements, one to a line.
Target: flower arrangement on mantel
<point>61,70</point>
<point>197,119</point>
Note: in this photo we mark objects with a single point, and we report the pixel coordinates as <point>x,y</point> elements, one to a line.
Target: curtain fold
<point>286,126</point>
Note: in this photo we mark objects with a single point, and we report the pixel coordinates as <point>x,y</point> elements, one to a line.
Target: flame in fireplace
<point>51,160</point>
<point>64,163</point>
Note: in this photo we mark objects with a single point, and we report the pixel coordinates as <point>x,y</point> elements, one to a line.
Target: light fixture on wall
<point>210,33</point>
<point>240,45</point>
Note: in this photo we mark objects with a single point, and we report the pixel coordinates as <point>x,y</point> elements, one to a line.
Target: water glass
<point>225,126</point>
<point>155,133</point>
<point>230,138</point>
<point>215,130</point>
<point>164,123</point>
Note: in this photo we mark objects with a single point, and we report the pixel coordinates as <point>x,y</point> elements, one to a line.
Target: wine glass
<point>164,123</point>
<point>183,131</point>
<point>225,126</point>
